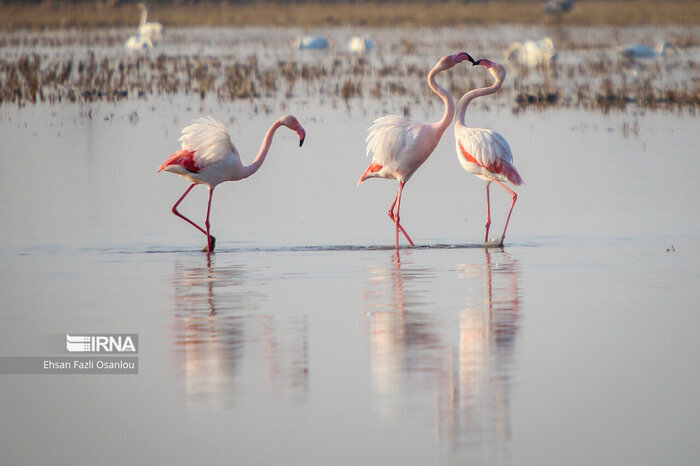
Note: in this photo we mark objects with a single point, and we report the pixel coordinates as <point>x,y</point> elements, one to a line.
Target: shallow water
<point>306,339</point>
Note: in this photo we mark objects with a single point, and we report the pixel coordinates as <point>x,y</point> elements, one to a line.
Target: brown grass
<point>98,14</point>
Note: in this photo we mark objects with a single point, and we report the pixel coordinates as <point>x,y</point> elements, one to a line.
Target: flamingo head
<point>292,123</point>
<point>496,69</point>
<point>449,61</point>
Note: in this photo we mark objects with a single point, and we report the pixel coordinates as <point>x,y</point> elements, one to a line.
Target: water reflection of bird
<point>151,31</point>
<point>399,146</point>
<point>217,322</point>
<point>460,368</point>
<point>209,157</point>
<point>644,51</point>
<point>532,52</point>
<point>483,152</point>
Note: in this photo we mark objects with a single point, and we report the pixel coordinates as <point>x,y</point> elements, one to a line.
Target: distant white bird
<point>532,52</point>
<point>152,31</point>
<point>558,7</point>
<point>644,51</point>
<point>138,42</point>
<point>360,44</point>
<point>312,43</point>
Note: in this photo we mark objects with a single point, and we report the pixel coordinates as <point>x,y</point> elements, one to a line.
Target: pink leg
<point>512,203</point>
<point>395,216</point>
<point>210,239</point>
<point>488,213</point>
<point>174,210</point>
<point>206,232</point>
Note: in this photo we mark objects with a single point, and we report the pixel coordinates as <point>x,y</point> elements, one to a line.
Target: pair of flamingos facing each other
<point>398,147</point>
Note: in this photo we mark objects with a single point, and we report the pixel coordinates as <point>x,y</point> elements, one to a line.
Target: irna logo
<point>108,343</point>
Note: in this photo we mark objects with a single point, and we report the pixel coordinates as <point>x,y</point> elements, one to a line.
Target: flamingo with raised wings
<point>209,157</point>
<point>399,146</point>
<point>483,152</point>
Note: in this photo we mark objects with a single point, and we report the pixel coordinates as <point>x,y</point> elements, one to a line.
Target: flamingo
<point>152,31</point>
<point>483,152</point>
<point>399,146</point>
<point>209,157</point>
<point>644,51</point>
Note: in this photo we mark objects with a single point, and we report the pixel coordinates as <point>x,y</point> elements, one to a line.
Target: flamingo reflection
<point>224,340</point>
<point>462,362</point>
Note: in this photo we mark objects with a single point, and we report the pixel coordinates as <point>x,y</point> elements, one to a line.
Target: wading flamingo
<point>152,31</point>
<point>483,152</point>
<point>209,157</point>
<point>399,146</point>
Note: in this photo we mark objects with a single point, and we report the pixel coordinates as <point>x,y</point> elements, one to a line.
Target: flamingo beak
<point>477,62</point>
<point>302,137</point>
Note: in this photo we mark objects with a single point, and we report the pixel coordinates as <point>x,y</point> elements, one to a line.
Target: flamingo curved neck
<point>473,94</point>
<point>264,148</point>
<point>144,14</point>
<point>446,119</point>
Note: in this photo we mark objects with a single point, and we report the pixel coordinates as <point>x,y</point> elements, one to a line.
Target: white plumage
<point>360,44</point>
<point>489,149</point>
<point>208,137</point>
<point>138,42</point>
<point>400,146</point>
<point>152,31</point>
<point>532,52</point>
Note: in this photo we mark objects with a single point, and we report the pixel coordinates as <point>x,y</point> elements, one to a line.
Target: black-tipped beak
<point>477,62</point>
<point>469,57</point>
<point>301,140</point>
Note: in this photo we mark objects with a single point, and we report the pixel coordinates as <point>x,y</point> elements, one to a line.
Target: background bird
<point>209,157</point>
<point>399,146</point>
<point>532,52</point>
<point>152,31</point>
<point>138,42</point>
<point>312,43</point>
<point>483,152</point>
<point>633,51</point>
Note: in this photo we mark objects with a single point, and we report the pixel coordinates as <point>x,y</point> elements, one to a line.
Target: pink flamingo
<point>483,152</point>
<point>399,146</point>
<point>209,157</point>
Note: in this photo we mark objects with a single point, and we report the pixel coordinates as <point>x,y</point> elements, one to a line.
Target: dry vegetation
<point>103,14</point>
<point>28,80</point>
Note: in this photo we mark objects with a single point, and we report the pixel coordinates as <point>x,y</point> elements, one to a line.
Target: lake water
<point>307,339</point>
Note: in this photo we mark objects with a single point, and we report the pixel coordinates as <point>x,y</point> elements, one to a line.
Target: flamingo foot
<point>209,248</point>
<point>493,243</point>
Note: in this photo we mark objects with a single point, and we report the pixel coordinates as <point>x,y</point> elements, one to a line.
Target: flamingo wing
<point>490,151</point>
<point>392,140</point>
<point>209,141</point>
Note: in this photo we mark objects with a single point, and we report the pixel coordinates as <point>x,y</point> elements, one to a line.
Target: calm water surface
<point>306,339</point>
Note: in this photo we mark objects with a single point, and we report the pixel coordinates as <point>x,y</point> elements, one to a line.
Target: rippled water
<point>307,339</point>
